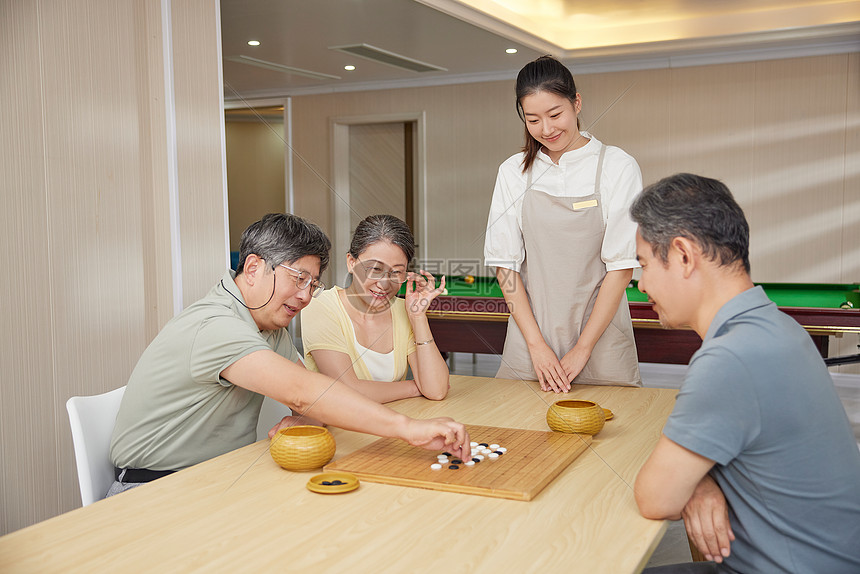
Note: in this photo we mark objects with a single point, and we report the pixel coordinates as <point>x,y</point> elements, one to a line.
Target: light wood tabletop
<point>240,512</point>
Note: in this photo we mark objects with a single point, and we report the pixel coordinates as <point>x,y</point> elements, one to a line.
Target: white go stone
<point>486,451</point>
<point>494,447</point>
<point>493,455</point>
<point>479,456</point>
<point>470,463</point>
<point>436,466</point>
<point>502,449</point>
<point>473,444</point>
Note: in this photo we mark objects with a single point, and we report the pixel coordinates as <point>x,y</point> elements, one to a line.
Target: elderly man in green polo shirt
<point>197,389</point>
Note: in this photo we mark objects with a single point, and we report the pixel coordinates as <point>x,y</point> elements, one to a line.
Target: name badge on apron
<point>577,205</point>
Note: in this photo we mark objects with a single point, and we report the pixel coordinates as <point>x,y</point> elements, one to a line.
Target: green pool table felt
<point>783,294</point>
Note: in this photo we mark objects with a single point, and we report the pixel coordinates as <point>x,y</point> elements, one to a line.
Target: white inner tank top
<point>380,365</point>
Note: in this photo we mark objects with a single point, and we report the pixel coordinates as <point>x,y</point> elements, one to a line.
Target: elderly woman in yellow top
<point>364,335</point>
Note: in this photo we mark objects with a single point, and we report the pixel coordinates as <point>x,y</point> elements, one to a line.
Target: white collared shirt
<point>573,176</point>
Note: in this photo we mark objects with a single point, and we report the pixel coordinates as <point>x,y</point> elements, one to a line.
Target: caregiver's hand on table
<point>574,361</point>
<point>549,371</point>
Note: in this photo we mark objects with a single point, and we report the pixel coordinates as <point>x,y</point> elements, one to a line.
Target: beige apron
<point>562,273</point>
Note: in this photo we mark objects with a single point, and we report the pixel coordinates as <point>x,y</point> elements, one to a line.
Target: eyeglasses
<point>305,280</point>
<point>376,271</point>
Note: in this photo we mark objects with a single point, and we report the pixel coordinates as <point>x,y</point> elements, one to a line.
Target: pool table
<point>472,318</point>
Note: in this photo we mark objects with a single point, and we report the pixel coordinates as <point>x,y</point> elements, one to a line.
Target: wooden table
<point>241,512</point>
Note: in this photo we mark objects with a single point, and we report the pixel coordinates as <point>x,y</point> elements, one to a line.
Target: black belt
<point>139,474</point>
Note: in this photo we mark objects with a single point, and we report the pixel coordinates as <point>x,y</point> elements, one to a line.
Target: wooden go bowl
<point>303,447</point>
<point>575,416</point>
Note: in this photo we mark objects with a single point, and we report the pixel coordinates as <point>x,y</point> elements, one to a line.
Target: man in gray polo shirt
<point>757,425</point>
<point>197,390</point>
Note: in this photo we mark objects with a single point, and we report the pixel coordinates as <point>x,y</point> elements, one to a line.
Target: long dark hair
<point>546,74</point>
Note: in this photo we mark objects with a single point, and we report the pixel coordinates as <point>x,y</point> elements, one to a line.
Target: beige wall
<point>85,222</point>
<point>377,171</point>
<point>470,130</point>
<point>783,134</point>
<point>255,172</point>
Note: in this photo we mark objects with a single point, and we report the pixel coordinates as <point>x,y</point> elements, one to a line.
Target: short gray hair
<point>698,208</point>
<point>283,238</point>
<point>376,228</point>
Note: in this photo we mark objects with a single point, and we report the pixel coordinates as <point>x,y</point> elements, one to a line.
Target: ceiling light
<point>253,42</point>
<point>511,51</point>
<point>349,68</point>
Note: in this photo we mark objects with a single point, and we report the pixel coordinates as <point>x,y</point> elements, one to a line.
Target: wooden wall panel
<point>85,220</point>
<point>152,115</point>
<point>200,145</point>
<point>850,244</point>
<point>92,183</point>
<point>25,353</point>
<point>799,155</point>
<point>712,122</point>
<point>850,271</point>
<point>462,168</point>
<point>631,110</point>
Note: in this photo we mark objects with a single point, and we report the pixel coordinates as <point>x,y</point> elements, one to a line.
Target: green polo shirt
<point>177,410</point>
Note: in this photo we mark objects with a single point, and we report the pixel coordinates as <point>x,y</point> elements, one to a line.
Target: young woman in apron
<point>563,243</point>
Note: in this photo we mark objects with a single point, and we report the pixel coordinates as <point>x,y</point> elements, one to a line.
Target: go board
<point>533,459</point>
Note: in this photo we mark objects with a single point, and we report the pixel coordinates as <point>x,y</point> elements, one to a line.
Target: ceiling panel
<point>468,38</point>
<point>300,33</point>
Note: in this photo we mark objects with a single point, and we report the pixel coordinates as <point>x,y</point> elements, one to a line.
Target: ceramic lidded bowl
<point>575,416</point>
<point>303,447</point>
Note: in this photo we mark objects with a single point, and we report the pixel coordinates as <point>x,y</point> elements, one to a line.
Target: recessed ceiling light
<point>253,42</point>
<point>511,51</point>
<point>349,68</point>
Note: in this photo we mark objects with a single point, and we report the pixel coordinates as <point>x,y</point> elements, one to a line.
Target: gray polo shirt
<point>759,402</point>
<point>177,410</point>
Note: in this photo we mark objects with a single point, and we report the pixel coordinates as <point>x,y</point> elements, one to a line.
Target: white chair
<point>92,420</point>
<point>270,413</point>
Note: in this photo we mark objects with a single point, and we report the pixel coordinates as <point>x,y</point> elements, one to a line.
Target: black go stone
<point>498,452</point>
<point>457,461</point>
<point>453,467</point>
<point>476,460</point>
<point>447,453</point>
<point>484,444</point>
<point>326,483</point>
